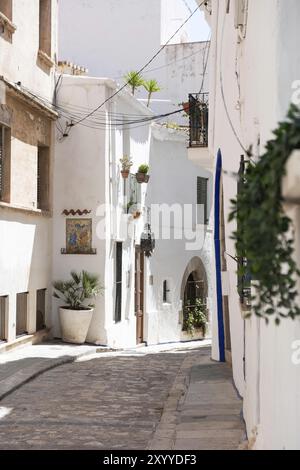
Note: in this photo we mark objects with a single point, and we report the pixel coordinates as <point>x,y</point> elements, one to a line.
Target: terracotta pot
<point>142,178</point>
<point>75,324</point>
<point>137,215</point>
<point>186,107</point>
<point>125,174</point>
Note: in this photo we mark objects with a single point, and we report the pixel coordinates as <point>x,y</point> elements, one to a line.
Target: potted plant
<point>195,317</point>
<point>126,163</point>
<point>133,209</point>
<point>142,174</point>
<point>186,107</point>
<point>76,315</point>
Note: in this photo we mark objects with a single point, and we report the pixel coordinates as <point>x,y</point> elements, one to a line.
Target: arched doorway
<point>194,285</point>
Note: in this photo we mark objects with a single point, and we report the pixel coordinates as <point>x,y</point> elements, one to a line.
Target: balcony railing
<point>198,114</point>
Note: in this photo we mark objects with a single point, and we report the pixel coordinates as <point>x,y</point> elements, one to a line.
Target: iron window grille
<point>198,119</point>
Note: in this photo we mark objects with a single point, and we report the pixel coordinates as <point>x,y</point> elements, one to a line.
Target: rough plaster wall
<point>28,130</point>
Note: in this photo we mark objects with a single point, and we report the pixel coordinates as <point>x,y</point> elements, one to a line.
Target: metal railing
<point>198,115</point>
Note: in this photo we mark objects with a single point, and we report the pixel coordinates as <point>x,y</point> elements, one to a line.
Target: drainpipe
<point>219,292</point>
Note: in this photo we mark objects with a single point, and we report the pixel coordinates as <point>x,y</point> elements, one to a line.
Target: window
<point>134,196</point>
<point>202,200</point>
<point>3,309</point>
<point>6,8</point>
<point>41,309</point>
<point>43,178</point>
<point>119,268</point>
<point>22,309</point>
<point>45,27</point>
<point>4,164</point>
<point>166,292</point>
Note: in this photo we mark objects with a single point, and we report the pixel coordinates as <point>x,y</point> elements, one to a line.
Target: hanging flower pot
<point>147,241</point>
<point>142,174</point>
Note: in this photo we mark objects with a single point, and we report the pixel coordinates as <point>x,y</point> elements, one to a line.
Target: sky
<point>198,28</point>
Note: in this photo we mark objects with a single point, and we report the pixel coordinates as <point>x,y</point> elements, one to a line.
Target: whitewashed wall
<point>265,74</point>
<point>87,174</point>
<point>173,181</point>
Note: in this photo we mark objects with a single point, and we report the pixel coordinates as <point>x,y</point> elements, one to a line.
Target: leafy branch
<point>264,234</point>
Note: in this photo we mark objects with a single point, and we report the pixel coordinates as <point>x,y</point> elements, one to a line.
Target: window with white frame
<point>134,194</point>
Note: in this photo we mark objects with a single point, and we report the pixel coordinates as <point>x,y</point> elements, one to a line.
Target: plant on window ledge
<point>126,163</point>
<point>195,317</point>
<point>264,232</point>
<point>142,174</point>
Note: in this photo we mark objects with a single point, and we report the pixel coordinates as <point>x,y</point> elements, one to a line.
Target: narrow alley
<point>156,398</point>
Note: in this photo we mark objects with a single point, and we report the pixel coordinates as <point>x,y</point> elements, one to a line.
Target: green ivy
<point>195,317</point>
<point>264,232</point>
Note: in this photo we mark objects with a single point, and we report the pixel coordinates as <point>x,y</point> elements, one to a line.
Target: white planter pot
<point>75,324</point>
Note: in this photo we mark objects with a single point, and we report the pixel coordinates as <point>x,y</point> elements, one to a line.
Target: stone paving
<point>130,400</point>
<point>23,364</point>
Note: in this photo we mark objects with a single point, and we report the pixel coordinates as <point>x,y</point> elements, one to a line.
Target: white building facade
<point>28,47</point>
<point>181,267</point>
<point>253,65</point>
<point>89,189</point>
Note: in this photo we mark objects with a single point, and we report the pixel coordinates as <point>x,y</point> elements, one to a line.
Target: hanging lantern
<point>147,241</point>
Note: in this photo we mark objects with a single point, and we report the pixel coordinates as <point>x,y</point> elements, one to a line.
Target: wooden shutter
<point>21,324</point>
<point>202,187</point>
<point>119,269</point>
<point>2,318</point>
<point>40,309</point>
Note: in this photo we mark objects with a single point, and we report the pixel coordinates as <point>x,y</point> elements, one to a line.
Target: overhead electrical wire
<point>125,119</point>
<point>139,71</point>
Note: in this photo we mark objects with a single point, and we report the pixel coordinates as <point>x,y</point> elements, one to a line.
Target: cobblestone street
<point>113,401</point>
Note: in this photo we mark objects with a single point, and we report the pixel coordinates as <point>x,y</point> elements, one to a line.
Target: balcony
<point>198,109</point>
<point>198,114</point>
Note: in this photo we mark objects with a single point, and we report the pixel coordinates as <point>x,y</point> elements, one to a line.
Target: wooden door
<point>139,295</point>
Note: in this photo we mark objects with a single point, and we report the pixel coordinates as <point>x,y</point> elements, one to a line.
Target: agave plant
<point>151,86</point>
<point>79,289</point>
<point>134,79</point>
